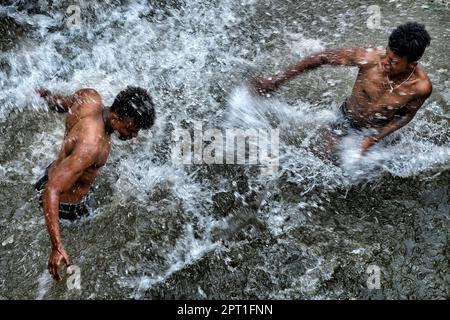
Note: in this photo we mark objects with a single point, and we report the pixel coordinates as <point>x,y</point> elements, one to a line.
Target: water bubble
<point>9,240</point>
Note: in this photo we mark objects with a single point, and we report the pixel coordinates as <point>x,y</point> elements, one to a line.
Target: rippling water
<point>161,230</point>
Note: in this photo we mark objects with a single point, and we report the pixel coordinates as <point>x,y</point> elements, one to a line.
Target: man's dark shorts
<point>345,122</point>
<point>67,211</point>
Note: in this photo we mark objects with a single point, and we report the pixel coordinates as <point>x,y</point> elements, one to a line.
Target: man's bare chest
<point>376,93</point>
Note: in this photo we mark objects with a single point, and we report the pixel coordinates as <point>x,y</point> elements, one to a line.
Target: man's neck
<point>106,114</point>
<point>402,76</point>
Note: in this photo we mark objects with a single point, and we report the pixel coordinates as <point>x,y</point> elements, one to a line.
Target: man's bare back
<point>86,140</point>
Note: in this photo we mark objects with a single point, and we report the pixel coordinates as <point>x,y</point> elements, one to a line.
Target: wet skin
<point>387,93</point>
<point>85,149</point>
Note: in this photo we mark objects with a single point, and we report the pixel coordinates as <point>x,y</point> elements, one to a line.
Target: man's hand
<point>263,85</point>
<point>42,92</point>
<point>57,256</point>
<point>367,143</point>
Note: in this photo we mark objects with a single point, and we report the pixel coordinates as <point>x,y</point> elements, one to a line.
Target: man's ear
<point>113,117</point>
<point>113,120</point>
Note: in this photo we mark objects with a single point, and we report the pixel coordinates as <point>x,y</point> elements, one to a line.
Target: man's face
<point>126,128</point>
<point>393,64</point>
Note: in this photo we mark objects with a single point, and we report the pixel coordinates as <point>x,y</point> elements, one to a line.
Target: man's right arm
<point>61,179</point>
<point>359,57</point>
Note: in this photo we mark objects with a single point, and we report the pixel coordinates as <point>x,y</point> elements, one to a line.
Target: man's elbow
<point>326,57</point>
<point>313,61</point>
<point>51,191</point>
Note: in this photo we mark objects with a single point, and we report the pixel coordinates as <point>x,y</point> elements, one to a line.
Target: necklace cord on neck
<point>393,88</point>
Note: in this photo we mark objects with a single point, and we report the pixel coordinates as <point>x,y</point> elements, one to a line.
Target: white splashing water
<point>406,153</point>
<point>45,281</point>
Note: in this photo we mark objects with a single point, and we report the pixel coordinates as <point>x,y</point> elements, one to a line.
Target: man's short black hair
<point>410,40</point>
<point>136,103</point>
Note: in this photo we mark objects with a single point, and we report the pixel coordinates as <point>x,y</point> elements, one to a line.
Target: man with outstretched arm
<point>390,87</point>
<point>67,181</point>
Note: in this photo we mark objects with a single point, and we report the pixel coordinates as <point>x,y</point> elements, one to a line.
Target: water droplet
<point>9,240</point>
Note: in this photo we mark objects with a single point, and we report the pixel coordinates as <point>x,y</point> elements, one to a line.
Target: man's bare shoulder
<point>423,86</point>
<point>89,97</point>
<point>369,57</point>
<point>88,102</point>
<point>88,93</point>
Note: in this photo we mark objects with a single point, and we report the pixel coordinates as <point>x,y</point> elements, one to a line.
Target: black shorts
<point>67,211</point>
<point>345,122</point>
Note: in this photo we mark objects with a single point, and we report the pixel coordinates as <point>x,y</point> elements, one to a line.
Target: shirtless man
<point>391,85</point>
<point>86,146</point>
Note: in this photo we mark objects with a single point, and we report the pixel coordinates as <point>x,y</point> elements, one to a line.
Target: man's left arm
<point>398,122</point>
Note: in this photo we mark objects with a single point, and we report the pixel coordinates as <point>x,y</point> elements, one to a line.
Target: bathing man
<point>89,124</point>
<point>390,87</point>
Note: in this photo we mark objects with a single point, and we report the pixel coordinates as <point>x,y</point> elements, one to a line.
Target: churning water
<point>309,230</point>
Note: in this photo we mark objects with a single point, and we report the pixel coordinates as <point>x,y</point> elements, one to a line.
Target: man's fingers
<point>363,151</point>
<point>40,91</point>
<point>53,266</point>
<point>258,85</point>
<point>253,85</point>
<point>53,271</point>
<point>66,260</point>
<point>50,267</point>
<point>55,274</point>
<point>64,257</point>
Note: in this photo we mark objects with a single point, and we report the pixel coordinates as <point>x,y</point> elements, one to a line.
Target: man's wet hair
<point>136,103</point>
<point>410,40</point>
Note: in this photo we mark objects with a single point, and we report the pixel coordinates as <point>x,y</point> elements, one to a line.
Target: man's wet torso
<point>84,126</point>
<point>373,104</point>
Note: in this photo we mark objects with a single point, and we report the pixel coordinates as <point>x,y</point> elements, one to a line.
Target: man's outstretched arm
<point>61,179</point>
<point>339,57</point>
<point>56,102</point>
